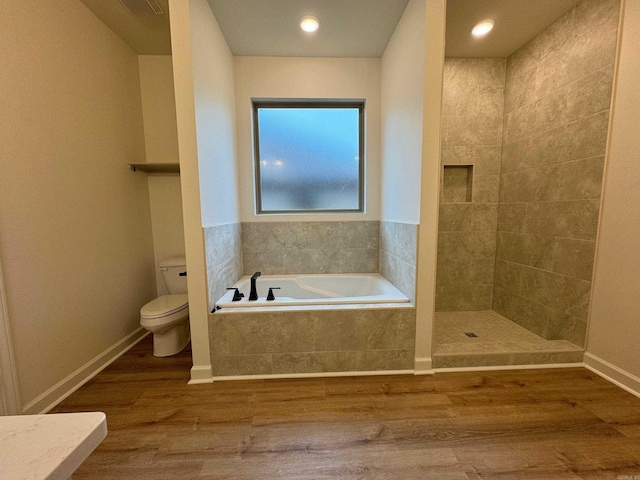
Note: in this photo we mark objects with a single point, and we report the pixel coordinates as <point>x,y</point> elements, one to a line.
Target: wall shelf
<point>165,167</point>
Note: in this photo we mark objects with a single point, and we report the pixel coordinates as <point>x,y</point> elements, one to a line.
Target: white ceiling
<point>353,28</point>
<point>348,28</point>
<point>517,22</point>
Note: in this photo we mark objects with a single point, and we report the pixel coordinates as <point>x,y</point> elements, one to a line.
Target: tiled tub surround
<point>558,93</point>
<point>472,120</point>
<point>224,258</point>
<point>281,248</point>
<point>398,251</point>
<point>287,340</point>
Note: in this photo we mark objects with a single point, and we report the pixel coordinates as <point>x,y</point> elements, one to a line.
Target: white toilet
<point>167,317</point>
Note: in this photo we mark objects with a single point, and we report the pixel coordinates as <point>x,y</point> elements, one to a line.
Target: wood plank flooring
<point>526,424</point>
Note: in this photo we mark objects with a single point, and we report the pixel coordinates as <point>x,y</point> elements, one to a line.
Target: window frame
<point>296,104</point>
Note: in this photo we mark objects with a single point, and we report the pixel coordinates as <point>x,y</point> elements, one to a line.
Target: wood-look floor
<point>526,424</point>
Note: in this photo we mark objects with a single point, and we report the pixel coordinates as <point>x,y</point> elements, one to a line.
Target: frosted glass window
<point>309,157</point>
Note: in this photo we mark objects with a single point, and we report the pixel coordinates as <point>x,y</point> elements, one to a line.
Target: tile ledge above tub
<point>307,308</point>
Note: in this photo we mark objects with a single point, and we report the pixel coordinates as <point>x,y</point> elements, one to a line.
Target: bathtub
<point>330,289</point>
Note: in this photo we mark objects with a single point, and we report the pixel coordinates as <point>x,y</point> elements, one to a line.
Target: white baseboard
<point>61,390</point>
<point>615,375</point>
<point>423,366</point>
<point>508,367</point>
<point>201,374</point>
<point>311,375</point>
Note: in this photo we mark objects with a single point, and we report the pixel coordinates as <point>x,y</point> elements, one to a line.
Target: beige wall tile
<point>597,13</point>
<point>460,100</point>
<point>486,189</point>
<point>531,185</point>
<point>314,362</point>
<point>385,360</point>
<point>455,217</point>
<point>400,273</point>
<point>574,258</point>
<point>276,332</point>
<point>591,52</point>
<point>581,179</point>
<point>490,100</point>
<point>518,155</point>
<point>520,89</point>
<point>242,365</point>
<point>400,240</point>
<point>505,302</point>
<point>532,315</point>
<point>508,277</point>
<point>590,94</point>
<point>464,297</point>
<point>482,271</point>
<point>310,247</point>
<point>453,271</point>
<point>512,217</point>
<point>269,262</point>
<point>551,111</point>
<point>522,61</point>
<point>555,69</point>
<point>556,34</point>
<point>532,250</point>
<point>474,71</point>
<point>570,219</point>
<point>566,327</point>
<point>471,130</point>
<point>518,124</point>
<point>223,246</point>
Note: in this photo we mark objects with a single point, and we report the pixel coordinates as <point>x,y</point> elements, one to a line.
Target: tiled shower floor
<point>499,341</point>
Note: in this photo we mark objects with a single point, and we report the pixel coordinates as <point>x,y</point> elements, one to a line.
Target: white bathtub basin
<point>332,289</point>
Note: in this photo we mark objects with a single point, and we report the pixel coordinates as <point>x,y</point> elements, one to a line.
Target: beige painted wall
<point>161,144</point>
<point>614,326</point>
<point>158,108</point>
<point>402,94</point>
<point>75,236</point>
<point>166,220</point>
<point>307,78</point>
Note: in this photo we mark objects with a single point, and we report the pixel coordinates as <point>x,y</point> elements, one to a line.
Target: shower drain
<point>470,334</point>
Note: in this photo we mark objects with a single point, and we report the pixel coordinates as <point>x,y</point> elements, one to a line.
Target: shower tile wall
<point>557,98</point>
<point>224,258</point>
<point>471,135</point>
<point>280,248</point>
<point>398,250</point>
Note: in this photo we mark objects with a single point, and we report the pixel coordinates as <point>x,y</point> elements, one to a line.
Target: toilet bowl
<point>167,317</point>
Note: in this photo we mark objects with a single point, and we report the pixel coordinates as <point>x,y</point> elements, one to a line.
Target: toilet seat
<point>165,306</point>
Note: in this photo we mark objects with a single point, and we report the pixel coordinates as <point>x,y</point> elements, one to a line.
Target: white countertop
<point>35,447</point>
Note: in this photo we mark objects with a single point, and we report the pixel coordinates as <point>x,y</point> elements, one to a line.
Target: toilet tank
<point>171,269</point>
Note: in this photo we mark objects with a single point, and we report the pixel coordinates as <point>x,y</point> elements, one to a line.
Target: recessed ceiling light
<point>480,29</point>
<point>309,23</point>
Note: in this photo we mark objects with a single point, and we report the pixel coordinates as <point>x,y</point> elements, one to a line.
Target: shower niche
<point>457,183</point>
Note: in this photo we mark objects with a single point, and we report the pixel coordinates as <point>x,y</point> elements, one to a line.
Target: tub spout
<point>254,292</point>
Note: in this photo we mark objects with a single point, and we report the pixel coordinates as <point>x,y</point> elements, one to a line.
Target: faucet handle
<point>237,296</point>
<point>271,296</point>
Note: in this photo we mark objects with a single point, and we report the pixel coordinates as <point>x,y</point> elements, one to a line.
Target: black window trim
<point>316,103</point>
